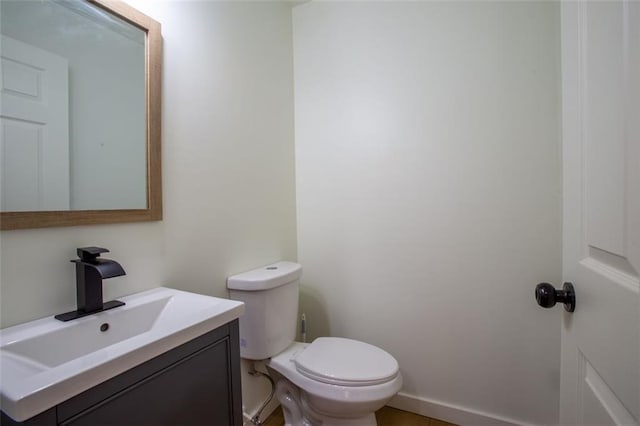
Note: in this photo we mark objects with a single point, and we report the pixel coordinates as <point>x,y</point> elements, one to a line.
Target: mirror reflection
<point>73,108</point>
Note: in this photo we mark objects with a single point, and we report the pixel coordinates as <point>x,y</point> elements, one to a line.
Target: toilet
<point>331,381</point>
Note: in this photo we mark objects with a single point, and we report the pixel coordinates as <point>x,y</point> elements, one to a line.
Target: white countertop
<point>46,361</point>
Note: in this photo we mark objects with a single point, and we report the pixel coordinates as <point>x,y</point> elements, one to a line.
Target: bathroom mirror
<point>80,114</point>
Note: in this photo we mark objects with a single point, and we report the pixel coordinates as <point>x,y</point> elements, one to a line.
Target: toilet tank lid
<point>266,277</point>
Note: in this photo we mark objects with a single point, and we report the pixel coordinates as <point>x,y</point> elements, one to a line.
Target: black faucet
<point>90,271</point>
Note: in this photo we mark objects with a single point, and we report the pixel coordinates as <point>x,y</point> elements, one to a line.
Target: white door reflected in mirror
<point>34,124</point>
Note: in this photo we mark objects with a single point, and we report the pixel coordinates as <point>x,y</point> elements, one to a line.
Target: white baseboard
<point>448,412</point>
<point>435,409</point>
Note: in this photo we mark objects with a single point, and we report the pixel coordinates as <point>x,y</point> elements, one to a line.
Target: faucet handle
<point>90,253</point>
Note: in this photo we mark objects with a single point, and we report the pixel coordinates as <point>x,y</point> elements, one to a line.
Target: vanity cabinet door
<point>193,391</point>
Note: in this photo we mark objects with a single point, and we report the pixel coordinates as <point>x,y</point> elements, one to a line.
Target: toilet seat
<point>335,401</point>
<point>345,362</point>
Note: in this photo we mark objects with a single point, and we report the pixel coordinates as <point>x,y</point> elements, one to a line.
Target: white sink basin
<point>45,362</point>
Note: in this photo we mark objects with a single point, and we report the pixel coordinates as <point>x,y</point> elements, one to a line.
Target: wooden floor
<point>386,416</point>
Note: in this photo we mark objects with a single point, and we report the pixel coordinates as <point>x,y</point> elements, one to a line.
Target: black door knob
<point>547,296</point>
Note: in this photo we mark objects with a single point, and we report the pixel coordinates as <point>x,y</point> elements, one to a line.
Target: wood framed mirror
<point>108,169</point>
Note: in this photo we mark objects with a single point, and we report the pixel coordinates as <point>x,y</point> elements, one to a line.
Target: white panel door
<point>600,370</point>
<point>34,128</point>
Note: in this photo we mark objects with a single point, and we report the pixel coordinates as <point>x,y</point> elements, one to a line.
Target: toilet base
<point>369,420</point>
<point>297,412</point>
<point>366,421</point>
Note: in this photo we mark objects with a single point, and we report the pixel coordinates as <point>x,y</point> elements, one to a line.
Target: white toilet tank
<point>270,294</point>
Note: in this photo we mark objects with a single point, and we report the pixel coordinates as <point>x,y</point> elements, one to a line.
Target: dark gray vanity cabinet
<point>197,383</point>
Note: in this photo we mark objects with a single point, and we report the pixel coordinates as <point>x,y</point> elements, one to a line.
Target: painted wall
<point>428,195</point>
<point>228,168</point>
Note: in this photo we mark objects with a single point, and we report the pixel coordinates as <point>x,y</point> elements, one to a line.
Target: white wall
<point>228,161</point>
<point>228,169</point>
<point>428,195</point>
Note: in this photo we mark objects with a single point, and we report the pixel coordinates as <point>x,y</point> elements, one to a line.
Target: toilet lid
<point>346,362</point>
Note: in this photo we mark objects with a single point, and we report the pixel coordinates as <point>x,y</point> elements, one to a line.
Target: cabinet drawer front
<point>195,382</point>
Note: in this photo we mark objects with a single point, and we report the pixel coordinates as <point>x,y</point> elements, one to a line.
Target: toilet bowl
<point>331,381</point>
<point>343,387</point>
